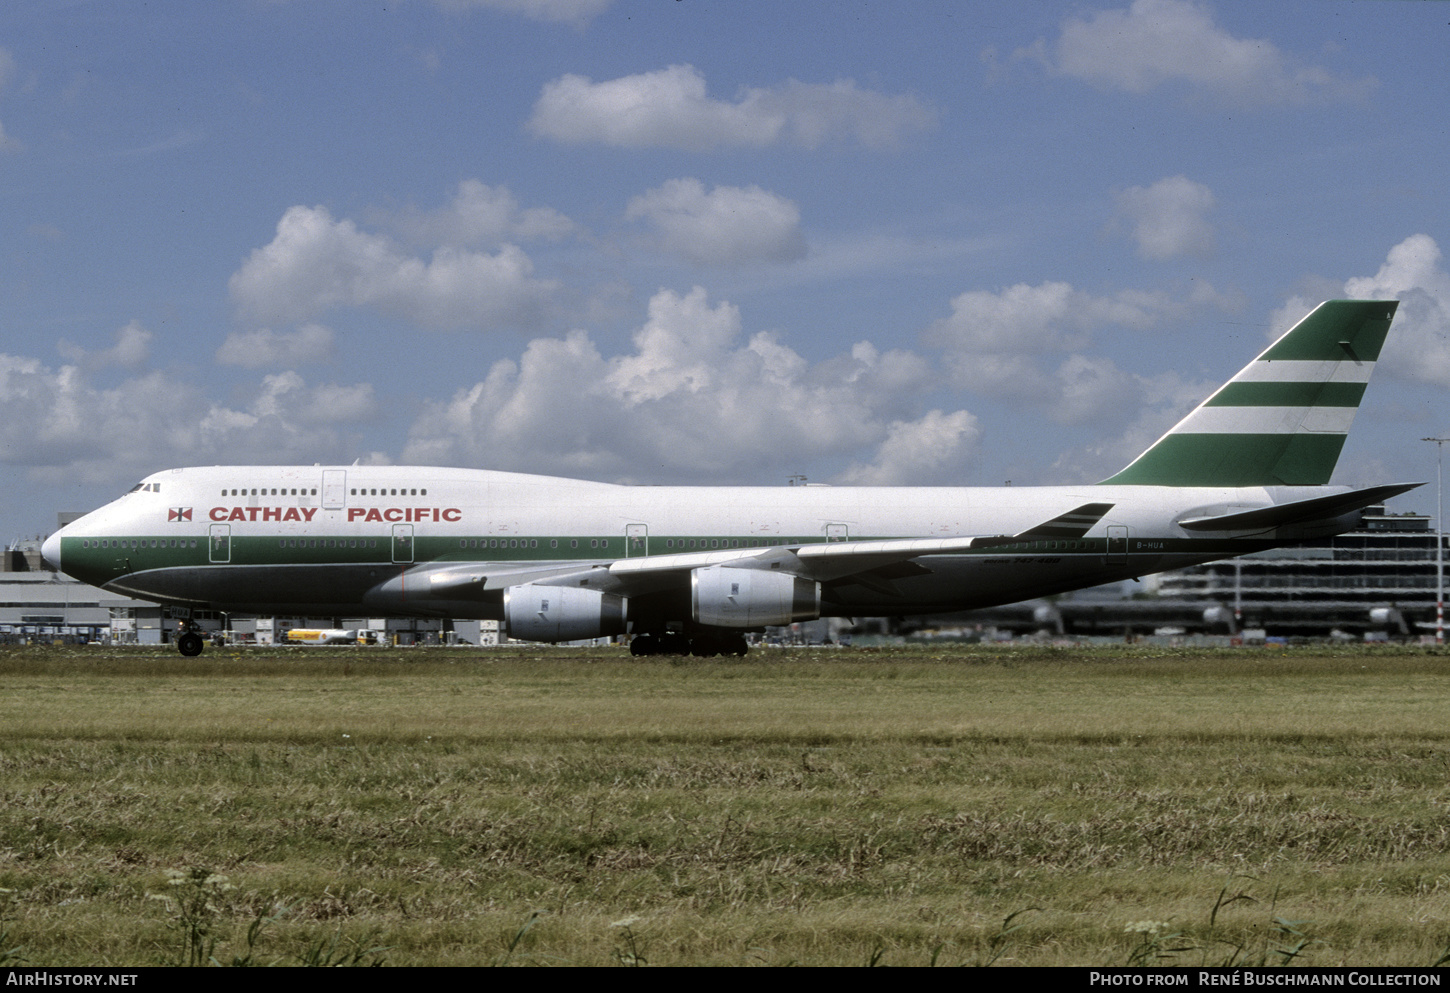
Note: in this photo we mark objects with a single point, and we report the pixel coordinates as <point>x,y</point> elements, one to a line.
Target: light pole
<point>1439,541</point>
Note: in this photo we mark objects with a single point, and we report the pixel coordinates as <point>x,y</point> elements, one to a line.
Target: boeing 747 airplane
<point>692,569</point>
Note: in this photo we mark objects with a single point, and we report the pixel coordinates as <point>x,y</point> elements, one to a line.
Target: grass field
<point>820,807</point>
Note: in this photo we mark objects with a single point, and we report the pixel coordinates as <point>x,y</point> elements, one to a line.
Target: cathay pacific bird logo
<point>176,514</point>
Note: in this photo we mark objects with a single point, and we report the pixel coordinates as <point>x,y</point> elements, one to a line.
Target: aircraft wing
<point>873,564</point>
<point>822,562</point>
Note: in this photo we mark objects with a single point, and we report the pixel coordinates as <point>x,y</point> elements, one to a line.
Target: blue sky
<point>680,241</point>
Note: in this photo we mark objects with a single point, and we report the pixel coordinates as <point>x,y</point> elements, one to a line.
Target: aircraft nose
<point>50,551</point>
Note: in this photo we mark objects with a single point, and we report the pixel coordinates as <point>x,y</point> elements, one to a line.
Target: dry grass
<point>830,807</point>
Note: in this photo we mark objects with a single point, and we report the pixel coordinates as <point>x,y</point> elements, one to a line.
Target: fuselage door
<point>334,489</point>
<point>1117,545</point>
<point>402,542</point>
<point>636,540</point>
<point>837,532</point>
<point>219,543</point>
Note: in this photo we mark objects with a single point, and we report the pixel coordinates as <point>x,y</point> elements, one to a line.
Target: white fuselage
<point>401,539</point>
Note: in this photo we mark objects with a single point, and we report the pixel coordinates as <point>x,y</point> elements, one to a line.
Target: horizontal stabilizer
<point>1298,511</point>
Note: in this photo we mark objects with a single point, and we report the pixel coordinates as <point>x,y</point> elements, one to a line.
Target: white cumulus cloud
<point>695,400</point>
<point>263,347</point>
<point>1169,219</point>
<point>58,426</point>
<point>669,108</point>
<point>316,263</point>
<point>729,225</point>
<point>480,214</point>
<point>1418,346</point>
<point>1027,346</point>
<point>1024,319</point>
<point>1158,42</point>
<point>131,351</point>
<point>916,452</point>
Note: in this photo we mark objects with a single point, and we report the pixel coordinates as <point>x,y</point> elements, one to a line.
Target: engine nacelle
<point>562,613</point>
<point>751,598</point>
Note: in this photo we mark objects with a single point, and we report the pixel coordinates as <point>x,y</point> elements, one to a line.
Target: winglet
<point>1073,524</point>
<point>1283,419</point>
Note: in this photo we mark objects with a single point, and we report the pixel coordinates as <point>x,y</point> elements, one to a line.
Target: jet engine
<point>562,613</point>
<point>751,598</point>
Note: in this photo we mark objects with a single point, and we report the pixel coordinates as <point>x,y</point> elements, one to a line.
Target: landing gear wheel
<point>644,644</point>
<point>190,644</point>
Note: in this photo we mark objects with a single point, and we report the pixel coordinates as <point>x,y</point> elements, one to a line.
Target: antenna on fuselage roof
<point>796,480</point>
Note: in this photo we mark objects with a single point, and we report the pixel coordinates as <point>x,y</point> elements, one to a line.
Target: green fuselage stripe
<point>102,565</point>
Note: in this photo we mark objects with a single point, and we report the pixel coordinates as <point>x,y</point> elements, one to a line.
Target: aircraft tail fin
<point>1283,419</point>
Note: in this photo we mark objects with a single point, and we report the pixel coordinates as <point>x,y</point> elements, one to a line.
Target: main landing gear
<point>190,643</point>
<point>702,645</point>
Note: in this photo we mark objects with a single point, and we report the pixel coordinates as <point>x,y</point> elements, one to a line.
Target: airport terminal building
<point>1380,578</point>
